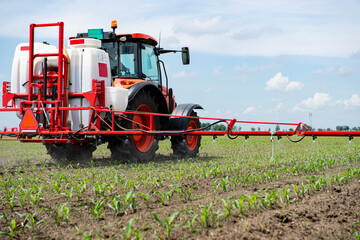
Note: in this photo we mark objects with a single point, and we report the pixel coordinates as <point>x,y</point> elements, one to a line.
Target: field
<point>233,190</point>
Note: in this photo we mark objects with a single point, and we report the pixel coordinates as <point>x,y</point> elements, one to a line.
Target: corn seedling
<point>235,180</point>
<point>188,191</point>
<point>66,212</point>
<point>192,221</point>
<point>128,228</point>
<point>146,198</point>
<point>296,189</point>
<point>168,225</point>
<point>116,204</point>
<point>204,216</point>
<point>227,204</point>
<point>224,183</point>
<point>238,203</point>
<point>129,197</point>
<point>252,201</point>
<point>85,236</point>
<point>32,222</point>
<point>245,179</point>
<point>169,195</point>
<point>161,195</point>
<point>216,185</point>
<point>69,193</point>
<point>13,228</point>
<point>98,208</point>
<point>80,189</point>
<point>215,216</point>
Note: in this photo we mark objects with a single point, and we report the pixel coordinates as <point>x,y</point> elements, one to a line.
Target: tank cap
<point>84,43</point>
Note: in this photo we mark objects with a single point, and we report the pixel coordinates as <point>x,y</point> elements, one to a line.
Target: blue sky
<point>251,60</point>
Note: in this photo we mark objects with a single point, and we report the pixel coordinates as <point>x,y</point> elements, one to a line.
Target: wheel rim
<point>145,122</point>
<point>191,140</point>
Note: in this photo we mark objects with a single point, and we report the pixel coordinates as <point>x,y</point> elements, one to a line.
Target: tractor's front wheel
<point>141,147</point>
<point>187,145</point>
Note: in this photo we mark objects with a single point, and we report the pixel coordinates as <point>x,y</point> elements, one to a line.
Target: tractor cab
<point>133,57</point>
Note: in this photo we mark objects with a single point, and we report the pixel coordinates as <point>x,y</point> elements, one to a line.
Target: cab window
<point>128,60</point>
<point>149,63</point>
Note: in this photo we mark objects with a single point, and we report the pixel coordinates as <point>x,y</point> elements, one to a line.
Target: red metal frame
<point>57,132</point>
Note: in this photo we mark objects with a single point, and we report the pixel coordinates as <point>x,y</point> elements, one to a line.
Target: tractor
<point>124,62</point>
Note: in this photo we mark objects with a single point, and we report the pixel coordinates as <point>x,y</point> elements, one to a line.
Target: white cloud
<point>324,71</point>
<point>354,101</point>
<point>196,27</point>
<point>170,42</point>
<point>249,110</point>
<point>293,86</point>
<point>253,32</point>
<point>319,100</point>
<point>342,71</point>
<point>345,71</point>
<point>278,107</point>
<point>282,83</point>
<point>217,71</point>
<point>207,90</point>
<point>245,68</point>
<point>355,54</point>
<point>183,74</point>
<point>225,27</point>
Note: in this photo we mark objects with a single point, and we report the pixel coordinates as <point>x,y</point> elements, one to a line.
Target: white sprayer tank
<point>87,62</point>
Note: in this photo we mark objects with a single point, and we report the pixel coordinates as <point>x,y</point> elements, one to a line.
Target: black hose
<point>165,132</point>
<point>295,141</point>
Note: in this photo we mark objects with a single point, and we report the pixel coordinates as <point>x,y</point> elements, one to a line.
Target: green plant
<point>238,203</point>
<point>30,218</point>
<point>98,208</point>
<point>188,191</point>
<point>128,229</point>
<point>129,197</point>
<point>215,216</point>
<point>13,228</point>
<point>66,212</point>
<point>116,204</point>
<point>227,204</point>
<point>69,193</point>
<point>168,225</point>
<point>204,216</point>
<point>192,221</point>
<point>86,236</point>
<point>224,183</point>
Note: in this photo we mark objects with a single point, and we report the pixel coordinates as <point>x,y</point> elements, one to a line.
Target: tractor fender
<point>182,110</point>
<point>160,100</point>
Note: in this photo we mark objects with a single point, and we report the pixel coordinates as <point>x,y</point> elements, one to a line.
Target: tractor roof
<point>109,36</point>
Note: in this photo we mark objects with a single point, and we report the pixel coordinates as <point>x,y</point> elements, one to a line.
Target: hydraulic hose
<point>295,141</point>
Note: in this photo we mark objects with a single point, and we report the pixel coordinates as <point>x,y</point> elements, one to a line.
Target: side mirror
<point>185,55</point>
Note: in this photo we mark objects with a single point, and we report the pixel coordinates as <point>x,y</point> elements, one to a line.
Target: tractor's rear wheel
<point>187,145</point>
<point>140,147</point>
<point>72,152</point>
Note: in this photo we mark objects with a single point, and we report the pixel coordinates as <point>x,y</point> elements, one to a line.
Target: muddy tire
<point>139,147</point>
<point>187,145</point>
<point>72,152</point>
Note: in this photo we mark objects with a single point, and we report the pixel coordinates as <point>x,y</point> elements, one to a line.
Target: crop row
<point>212,215</point>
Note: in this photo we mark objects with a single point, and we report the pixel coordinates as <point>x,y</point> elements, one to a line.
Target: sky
<point>255,60</point>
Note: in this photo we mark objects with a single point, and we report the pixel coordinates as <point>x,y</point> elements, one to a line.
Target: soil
<point>330,213</point>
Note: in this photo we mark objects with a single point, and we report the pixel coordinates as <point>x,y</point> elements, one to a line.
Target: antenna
<point>159,39</point>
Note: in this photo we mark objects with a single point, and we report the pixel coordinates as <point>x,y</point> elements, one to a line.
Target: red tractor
<point>135,65</point>
<point>134,80</point>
